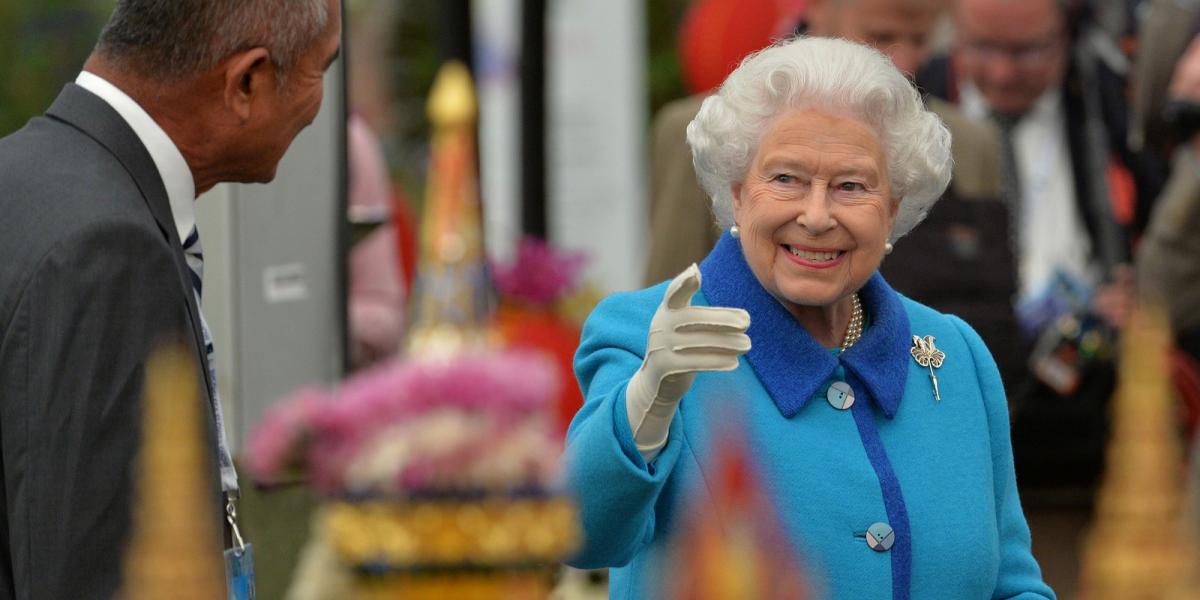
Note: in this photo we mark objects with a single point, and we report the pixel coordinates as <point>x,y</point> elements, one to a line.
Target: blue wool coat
<point>940,473</point>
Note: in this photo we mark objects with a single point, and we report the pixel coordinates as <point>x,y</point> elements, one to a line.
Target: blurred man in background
<point>1054,86</point>
<point>902,30</point>
<point>102,260</point>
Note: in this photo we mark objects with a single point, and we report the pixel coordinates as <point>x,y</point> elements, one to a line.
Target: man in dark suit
<point>1054,84</point>
<point>100,260</point>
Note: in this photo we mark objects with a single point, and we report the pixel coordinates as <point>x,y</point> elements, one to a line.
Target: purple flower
<point>541,273</point>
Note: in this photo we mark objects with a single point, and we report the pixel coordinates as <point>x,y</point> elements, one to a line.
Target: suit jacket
<point>92,277</point>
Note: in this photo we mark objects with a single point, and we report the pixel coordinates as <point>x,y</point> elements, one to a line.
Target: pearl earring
<point>735,231</point>
<point>888,247</point>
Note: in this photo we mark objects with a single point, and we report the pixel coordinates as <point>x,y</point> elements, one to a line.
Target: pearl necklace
<point>855,328</point>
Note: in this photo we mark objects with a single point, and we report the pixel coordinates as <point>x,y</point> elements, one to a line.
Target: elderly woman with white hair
<point>878,426</point>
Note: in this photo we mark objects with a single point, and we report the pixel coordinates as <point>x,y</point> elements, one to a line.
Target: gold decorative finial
<point>1140,545</point>
<point>452,99</point>
<point>175,551</point>
<point>452,300</point>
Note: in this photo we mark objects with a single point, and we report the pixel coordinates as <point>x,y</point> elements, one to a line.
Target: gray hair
<point>177,39</point>
<point>827,74</point>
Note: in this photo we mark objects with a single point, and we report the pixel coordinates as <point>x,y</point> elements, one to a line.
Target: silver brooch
<point>927,355</point>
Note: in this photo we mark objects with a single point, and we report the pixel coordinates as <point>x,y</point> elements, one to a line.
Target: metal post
<point>533,118</point>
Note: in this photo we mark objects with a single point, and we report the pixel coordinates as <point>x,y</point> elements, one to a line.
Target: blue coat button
<point>840,396</point>
<point>880,537</point>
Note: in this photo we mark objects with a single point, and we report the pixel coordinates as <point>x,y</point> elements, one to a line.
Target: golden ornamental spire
<point>452,100</point>
<point>451,300</point>
<point>1140,545</point>
<point>175,549</point>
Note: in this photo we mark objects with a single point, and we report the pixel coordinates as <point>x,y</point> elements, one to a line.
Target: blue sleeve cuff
<point>616,490</point>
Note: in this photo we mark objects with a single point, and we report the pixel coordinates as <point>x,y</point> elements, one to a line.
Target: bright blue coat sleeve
<point>616,490</point>
<point>1019,576</point>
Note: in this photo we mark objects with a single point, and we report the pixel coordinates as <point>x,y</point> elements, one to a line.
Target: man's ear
<point>247,74</point>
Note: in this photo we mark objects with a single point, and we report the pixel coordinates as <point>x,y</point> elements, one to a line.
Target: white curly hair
<point>826,74</point>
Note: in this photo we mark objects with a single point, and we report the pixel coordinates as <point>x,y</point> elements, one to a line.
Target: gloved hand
<point>683,340</point>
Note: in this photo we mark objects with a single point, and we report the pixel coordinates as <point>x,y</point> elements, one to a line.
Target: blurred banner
<point>497,27</point>
<point>596,119</point>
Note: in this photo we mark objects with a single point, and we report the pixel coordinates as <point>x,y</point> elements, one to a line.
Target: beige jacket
<point>1164,36</point>
<point>1168,264</point>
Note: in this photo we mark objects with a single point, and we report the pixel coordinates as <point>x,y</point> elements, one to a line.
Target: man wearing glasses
<point>1054,85</point>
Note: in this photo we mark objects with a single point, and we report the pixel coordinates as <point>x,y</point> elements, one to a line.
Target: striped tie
<point>1010,182</point>
<point>193,252</point>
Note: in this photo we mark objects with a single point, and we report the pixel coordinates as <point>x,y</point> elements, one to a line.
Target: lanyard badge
<point>239,560</point>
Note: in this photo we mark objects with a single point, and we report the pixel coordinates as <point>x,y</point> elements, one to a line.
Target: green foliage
<point>412,63</point>
<point>662,67</point>
<point>43,45</point>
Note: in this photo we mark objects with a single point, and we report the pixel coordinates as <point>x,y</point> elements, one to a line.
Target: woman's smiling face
<point>815,208</point>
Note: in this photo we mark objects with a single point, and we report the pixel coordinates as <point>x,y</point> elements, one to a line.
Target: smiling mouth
<point>815,256</point>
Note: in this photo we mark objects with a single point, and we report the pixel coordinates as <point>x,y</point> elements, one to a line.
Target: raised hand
<point>683,340</point>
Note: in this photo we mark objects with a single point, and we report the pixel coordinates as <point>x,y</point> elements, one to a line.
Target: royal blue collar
<point>788,361</point>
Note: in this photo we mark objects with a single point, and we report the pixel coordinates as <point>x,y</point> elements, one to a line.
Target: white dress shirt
<point>172,168</point>
<point>1051,236</point>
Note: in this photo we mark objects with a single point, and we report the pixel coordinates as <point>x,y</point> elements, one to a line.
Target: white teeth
<point>814,256</point>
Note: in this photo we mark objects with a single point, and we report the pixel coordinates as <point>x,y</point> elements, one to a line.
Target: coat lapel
<point>93,116</point>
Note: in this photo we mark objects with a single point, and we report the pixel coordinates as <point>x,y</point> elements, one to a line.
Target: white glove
<point>683,339</point>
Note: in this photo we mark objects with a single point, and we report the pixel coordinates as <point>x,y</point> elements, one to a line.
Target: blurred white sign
<point>596,99</point>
